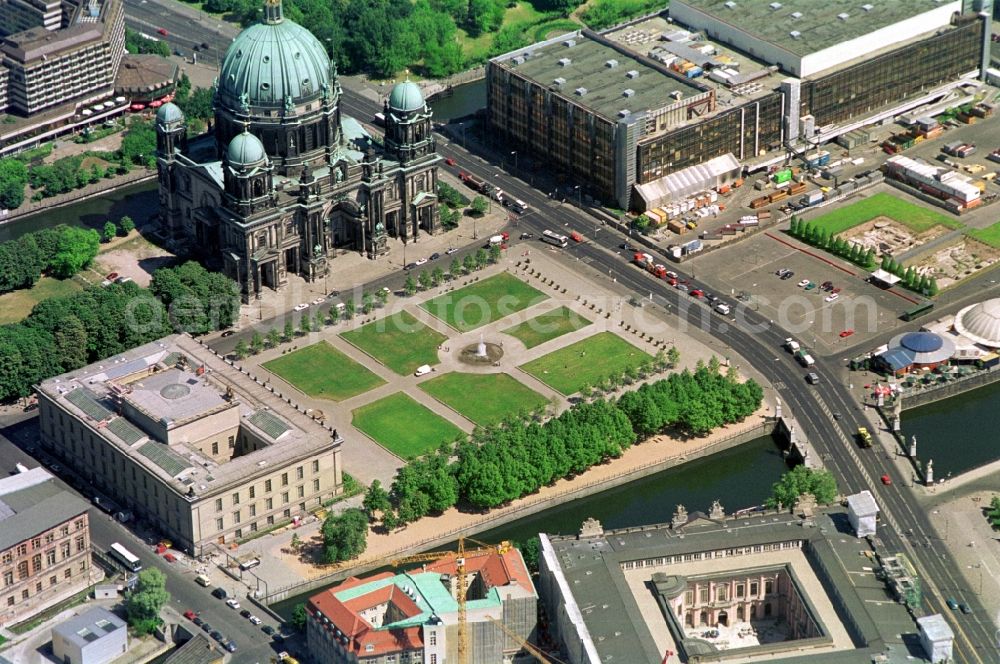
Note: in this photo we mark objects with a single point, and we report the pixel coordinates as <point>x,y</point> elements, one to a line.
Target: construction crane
<point>523,643</point>
<point>460,580</point>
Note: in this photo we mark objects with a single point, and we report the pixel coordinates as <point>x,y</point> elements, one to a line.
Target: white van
<point>519,206</point>
<point>249,564</point>
<point>203,581</point>
<point>722,308</point>
<point>422,370</point>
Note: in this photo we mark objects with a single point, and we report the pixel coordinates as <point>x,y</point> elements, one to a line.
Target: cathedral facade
<point>286,181</point>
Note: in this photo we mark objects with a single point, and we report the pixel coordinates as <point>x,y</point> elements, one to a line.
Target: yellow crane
<point>462,586</point>
<point>523,643</point>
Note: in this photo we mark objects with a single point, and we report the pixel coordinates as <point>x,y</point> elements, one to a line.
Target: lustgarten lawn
<point>400,342</point>
<point>915,217</point>
<point>322,371</point>
<point>587,362</point>
<point>483,398</point>
<point>545,327</point>
<point>404,426</point>
<point>483,302</point>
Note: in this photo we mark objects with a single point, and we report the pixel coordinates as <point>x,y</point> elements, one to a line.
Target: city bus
<point>125,557</point>
<point>555,238</point>
<point>918,311</point>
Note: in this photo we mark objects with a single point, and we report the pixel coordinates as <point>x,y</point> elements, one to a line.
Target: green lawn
<point>399,341</point>
<point>483,398</point>
<point>403,426</point>
<point>484,302</point>
<point>587,362</point>
<point>522,14</point>
<point>322,371</point>
<point>16,305</point>
<point>989,235</point>
<point>915,217</point>
<point>547,326</point>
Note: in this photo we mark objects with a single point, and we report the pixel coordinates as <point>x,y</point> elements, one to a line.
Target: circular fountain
<point>481,353</point>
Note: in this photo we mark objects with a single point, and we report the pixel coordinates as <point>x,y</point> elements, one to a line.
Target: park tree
<point>305,324</point>
<point>256,343</point>
<point>437,276</point>
<point>479,206</point>
<point>242,349</point>
<point>349,309</point>
<point>933,288</point>
<point>13,179</point>
<point>673,356</point>
<point>376,500</point>
<point>126,225</point>
<point>482,258</point>
<point>138,145</point>
<point>273,337</point>
<point>869,261</point>
<point>425,280</point>
<point>641,223</point>
<point>71,343</point>
<point>299,617</point>
<point>289,330</point>
<point>495,253</point>
<point>469,264</point>
<point>143,604</point>
<point>410,285</point>
<point>531,550</point>
<point>197,301</point>
<point>110,231</point>
<point>367,303</point>
<point>382,295</point>
<point>345,536</point>
<point>455,269</point>
<point>76,248</point>
<point>801,480</point>
<point>886,262</point>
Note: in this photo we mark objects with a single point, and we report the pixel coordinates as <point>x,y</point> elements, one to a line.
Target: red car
<point>170,558</point>
<point>886,480</point>
<point>112,276</point>
<point>449,161</point>
<point>190,615</point>
<point>162,31</point>
<point>836,290</point>
<point>846,333</point>
<point>576,237</point>
<point>697,292</point>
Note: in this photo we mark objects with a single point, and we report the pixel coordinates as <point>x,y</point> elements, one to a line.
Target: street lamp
<point>579,191</point>
<point>514,153</point>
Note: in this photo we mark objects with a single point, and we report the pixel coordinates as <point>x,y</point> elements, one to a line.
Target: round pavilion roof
<point>245,150</point>
<point>920,348</point>
<point>981,323</point>
<point>921,342</point>
<point>168,113</point>
<point>406,96</point>
<point>273,60</point>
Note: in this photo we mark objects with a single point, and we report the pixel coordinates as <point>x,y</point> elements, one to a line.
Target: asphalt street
<point>19,433</point>
<point>186,27</point>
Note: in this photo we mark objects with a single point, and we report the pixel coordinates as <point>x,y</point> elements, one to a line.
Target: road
<point>186,27</point>
<point>905,527</point>
<point>19,433</point>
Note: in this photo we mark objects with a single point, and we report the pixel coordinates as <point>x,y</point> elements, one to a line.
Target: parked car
<point>112,276</point>
<point>267,629</point>
<point>435,256</point>
<point>228,333</point>
<point>450,250</point>
<point>420,261</point>
<point>230,646</point>
<point>846,333</point>
<point>409,266</point>
<point>788,275</point>
<point>831,297</point>
<point>220,593</point>
<point>804,283</point>
<point>525,236</point>
<point>301,306</point>
<point>319,300</point>
<point>198,621</point>
<point>245,613</point>
<point>886,480</point>
<point>163,31</point>
<point>190,615</point>
<point>205,627</point>
<point>232,603</point>
<point>952,604</point>
<point>810,286</point>
<point>254,620</point>
<point>697,292</point>
<point>966,609</point>
<point>218,636</point>
<point>449,161</point>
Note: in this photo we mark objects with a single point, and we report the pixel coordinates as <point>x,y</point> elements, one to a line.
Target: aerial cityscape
<point>508,331</point>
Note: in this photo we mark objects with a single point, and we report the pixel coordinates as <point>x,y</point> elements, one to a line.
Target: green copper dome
<point>406,96</point>
<point>169,113</point>
<point>272,61</point>
<point>245,150</point>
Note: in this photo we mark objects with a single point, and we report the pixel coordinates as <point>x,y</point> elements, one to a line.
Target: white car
<point>300,307</point>
<point>803,283</point>
<point>232,603</point>
<point>319,300</point>
<point>450,250</point>
<point>831,297</point>
<point>420,261</point>
<point>671,275</point>
<point>254,619</point>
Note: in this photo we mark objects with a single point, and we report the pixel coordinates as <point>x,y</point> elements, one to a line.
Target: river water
<point>738,478</point>
<point>465,99</point>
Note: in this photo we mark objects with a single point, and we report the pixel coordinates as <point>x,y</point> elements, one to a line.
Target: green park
<point>917,218</point>
<point>484,399</point>
<point>586,362</point>
<point>483,302</point>
<point>322,371</point>
<point>400,342</point>
<point>404,426</point>
<point>548,326</point>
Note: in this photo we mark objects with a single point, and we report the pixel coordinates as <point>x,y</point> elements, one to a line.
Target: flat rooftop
<point>176,377</point>
<point>31,503</point>
<point>821,24</point>
<point>600,72</point>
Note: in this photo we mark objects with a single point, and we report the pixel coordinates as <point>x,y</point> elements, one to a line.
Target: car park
<point>232,603</point>
<point>782,272</point>
<point>301,306</point>
<point>810,286</point>
<point>826,285</point>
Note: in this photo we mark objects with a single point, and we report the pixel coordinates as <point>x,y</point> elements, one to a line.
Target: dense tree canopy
<point>800,480</point>
<point>13,178</point>
<point>197,300</point>
<point>345,536</point>
<point>143,605</point>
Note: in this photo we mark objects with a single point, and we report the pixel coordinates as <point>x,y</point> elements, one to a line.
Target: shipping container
<point>796,188</point>
<point>759,202</point>
<point>677,227</point>
<point>778,196</point>
<point>782,176</point>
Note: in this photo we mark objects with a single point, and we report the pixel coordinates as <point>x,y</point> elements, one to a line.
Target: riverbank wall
<point>950,389</point>
<point>77,195</point>
<point>504,516</point>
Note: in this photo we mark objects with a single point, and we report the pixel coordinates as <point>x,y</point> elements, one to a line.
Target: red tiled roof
<point>495,568</point>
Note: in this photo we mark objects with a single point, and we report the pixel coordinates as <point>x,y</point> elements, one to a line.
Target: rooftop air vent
<point>564,62</point>
<point>796,14</point>
<point>843,16</point>
<point>569,43</point>
<point>867,8</point>
<point>628,92</point>
<point>795,34</point>
<point>676,95</point>
<point>559,81</point>
<point>624,113</point>
<point>775,6</point>
<point>730,4</point>
<point>580,92</point>
<point>611,64</point>
<point>632,73</point>
<point>519,60</point>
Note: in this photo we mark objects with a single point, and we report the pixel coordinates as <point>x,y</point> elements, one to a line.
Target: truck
<point>646,262</point>
<point>812,198</point>
<point>804,358</point>
<point>817,159</point>
<point>473,182</point>
<point>864,438</point>
<point>791,345</point>
<point>498,239</point>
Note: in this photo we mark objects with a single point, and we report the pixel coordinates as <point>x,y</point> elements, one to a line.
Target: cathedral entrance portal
<point>723,618</point>
<point>269,275</point>
<point>292,260</point>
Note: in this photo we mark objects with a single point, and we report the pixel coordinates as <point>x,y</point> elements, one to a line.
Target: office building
<point>189,443</point>
<point>44,545</point>
<point>412,617</point>
<point>95,636</point>
<point>289,180</point>
<point>752,79</point>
